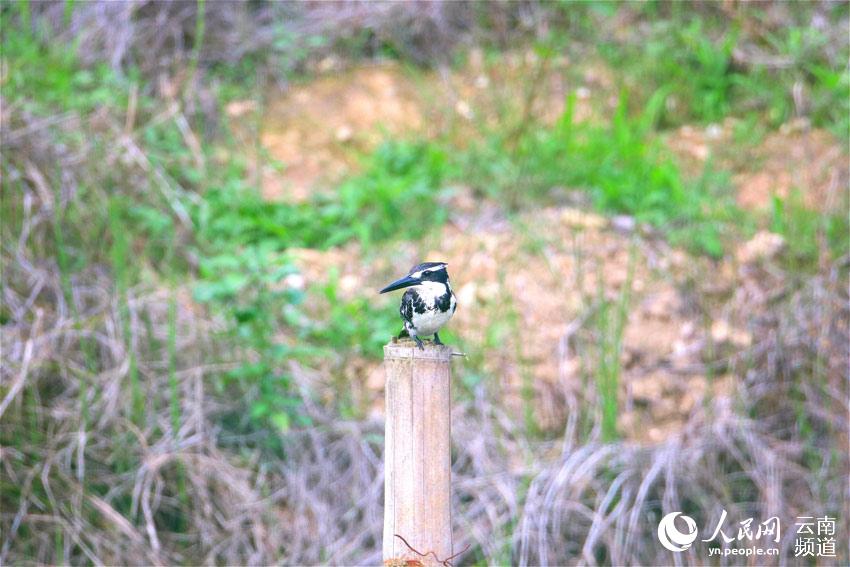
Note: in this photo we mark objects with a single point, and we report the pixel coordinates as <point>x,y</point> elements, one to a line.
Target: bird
<point>429,302</point>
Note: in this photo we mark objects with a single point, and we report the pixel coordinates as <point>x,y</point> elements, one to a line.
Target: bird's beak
<point>406,281</point>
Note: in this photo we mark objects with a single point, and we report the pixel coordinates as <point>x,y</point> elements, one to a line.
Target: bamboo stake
<point>417,456</point>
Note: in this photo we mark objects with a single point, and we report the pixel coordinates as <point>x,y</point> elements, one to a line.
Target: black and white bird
<point>428,304</point>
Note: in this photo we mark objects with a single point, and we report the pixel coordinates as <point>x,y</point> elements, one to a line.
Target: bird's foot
<point>419,342</point>
<point>437,340</point>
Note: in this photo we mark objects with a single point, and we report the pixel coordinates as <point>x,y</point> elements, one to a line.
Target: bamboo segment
<point>417,459</point>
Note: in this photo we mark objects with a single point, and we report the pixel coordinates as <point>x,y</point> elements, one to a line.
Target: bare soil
<point>526,286</point>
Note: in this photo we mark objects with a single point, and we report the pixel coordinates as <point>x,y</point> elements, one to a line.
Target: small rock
<point>763,246</point>
<point>646,390</point>
<point>462,108</point>
<point>700,151</point>
<point>344,134</point>
<point>239,108</point>
<point>580,219</point>
<point>327,64</point>
<point>294,281</point>
<point>349,283</point>
<point>624,223</point>
<point>655,435</point>
<point>664,431</point>
<point>713,132</point>
<point>722,332</point>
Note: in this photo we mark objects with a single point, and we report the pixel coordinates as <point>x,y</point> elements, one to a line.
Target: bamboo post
<point>417,454</point>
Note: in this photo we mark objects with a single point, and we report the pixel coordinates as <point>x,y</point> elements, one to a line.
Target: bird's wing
<point>444,302</point>
<point>406,308</point>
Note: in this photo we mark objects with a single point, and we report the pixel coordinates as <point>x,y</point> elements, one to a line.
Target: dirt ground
<point>544,272</point>
<point>316,129</point>
<point>797,161</point>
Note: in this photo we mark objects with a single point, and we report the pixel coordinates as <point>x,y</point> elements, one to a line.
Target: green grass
<point>242,240</point>
<point>691,55</point>
<point>396,196</point>
<point>87,345</point>
<point>231,247</point>
<point>49,78</point>
<point>235,247</point>
<point>622,166</point>
<point>230,241</point>
<point>611,319</point>
<point>121,261</point>
<point>353,324</point>
<point>808,233</point>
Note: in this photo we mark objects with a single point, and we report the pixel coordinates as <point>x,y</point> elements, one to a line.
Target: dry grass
<point>87,476</point>
<point>600,503</point>
<point>162,35</point>
<point>86,482</point>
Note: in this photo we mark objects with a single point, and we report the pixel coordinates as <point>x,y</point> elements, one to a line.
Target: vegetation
<point>176,391</point>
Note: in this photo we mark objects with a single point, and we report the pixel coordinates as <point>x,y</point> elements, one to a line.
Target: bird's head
<point>427,272</point>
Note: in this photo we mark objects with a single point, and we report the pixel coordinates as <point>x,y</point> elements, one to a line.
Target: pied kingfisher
<point>428,304</point>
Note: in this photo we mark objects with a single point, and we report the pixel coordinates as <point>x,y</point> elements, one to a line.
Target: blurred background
<point>644,208</point>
